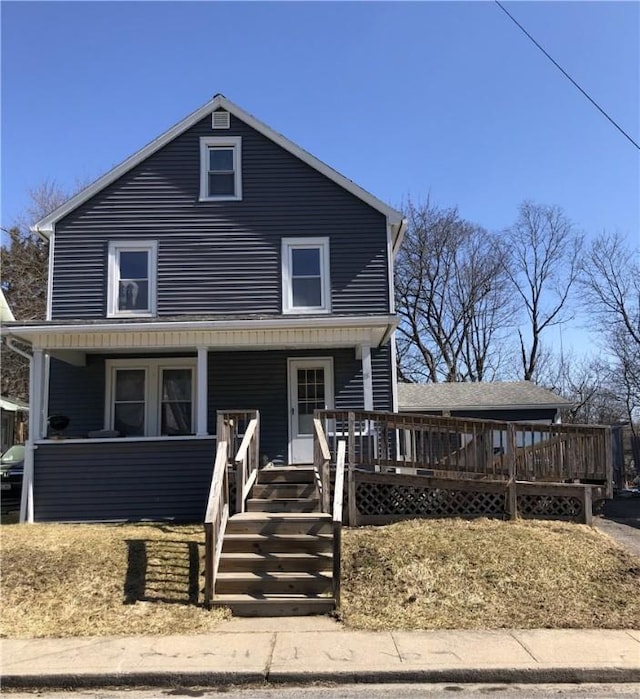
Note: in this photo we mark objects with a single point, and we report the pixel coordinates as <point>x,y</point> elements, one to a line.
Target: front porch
<point>142,398</point>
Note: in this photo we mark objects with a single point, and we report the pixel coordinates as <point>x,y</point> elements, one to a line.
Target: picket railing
<point>338,495</point>
<point>215,520</point>
<point>238,438</point>
<point>470,448</point>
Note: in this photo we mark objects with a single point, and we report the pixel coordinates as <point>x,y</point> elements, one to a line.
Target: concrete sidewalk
<point>299,650</point>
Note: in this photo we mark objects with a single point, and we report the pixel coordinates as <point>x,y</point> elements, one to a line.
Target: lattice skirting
<point>383,498</point>
<point>380,499</point>
<point>551,507</point>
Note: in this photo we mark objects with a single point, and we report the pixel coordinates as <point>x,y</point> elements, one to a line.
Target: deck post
<point>587,505</point>
<point>512,496</point>
<point>353,510</point>
<point>608,462</point>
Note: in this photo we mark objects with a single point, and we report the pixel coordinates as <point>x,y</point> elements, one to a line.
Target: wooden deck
<point>401,466</point>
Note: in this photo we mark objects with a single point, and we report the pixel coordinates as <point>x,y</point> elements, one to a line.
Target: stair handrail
<point>215,520</point>
<point>246,462</point>
<point>338,495</point>
<point>321,461</point>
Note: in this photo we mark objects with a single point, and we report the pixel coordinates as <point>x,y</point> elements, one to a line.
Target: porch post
<point>36,393</point>
<point>367,377</point>
<point>201,393</point>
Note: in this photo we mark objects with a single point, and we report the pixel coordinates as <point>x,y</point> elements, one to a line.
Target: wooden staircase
<point>277,557</point>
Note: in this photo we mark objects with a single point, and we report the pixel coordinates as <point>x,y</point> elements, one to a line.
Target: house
<point>512,401</point>
<point>220,267</point>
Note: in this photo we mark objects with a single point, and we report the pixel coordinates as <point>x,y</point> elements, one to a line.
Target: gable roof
<point>46,225</point>
<point>512,395</point>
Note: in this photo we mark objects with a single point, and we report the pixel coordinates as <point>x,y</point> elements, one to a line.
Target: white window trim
<point>115,247</point>
<point>152,398</point>
<point>207,142</point>
<point>289,244</point>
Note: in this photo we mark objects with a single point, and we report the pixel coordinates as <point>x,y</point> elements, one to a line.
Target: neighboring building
<point>509,401</point>
<point>519,401</point>
<point>13,412</point>
<point>220,267</point>
<point>13,422</point>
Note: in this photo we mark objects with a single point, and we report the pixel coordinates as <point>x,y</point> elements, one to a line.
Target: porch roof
<point>220,333</point>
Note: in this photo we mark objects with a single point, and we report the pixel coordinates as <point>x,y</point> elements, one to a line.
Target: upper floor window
<point>305,275</point>
<point>132,278</point>
<point>220,168</point>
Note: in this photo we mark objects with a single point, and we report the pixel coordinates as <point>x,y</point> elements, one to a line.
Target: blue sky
<point>404,98</point>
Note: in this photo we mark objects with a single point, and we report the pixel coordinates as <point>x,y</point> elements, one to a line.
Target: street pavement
<point>318,649</point>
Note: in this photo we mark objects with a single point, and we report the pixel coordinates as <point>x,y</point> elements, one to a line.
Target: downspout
<point>26,498</point>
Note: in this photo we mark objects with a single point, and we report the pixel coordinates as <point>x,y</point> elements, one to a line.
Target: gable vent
<point>220,120</point>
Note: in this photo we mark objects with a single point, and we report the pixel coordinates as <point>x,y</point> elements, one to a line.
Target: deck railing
<point>238,438</point>
<point>321,465</point>
<point>215,520</point>
<point>338,495</point>
<point>470,448</point>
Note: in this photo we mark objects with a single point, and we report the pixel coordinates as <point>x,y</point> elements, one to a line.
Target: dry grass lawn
<point>109,580</point>
<point>487,574</point>
<point>102,580</point>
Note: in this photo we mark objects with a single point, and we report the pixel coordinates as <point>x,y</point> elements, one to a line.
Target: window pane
<point>305,423</point>
<point>221,159</point>
<point>221,184</point>
<point>130,384</point>
<point>129,419</point>
<point>176,384</point>
<point>176,418</point>
<point>305,261</point>
<point>133,296</point>
<point>306,292</point>
<point>134,264</point>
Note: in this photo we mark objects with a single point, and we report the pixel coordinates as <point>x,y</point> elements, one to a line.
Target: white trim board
<point>46,225</point>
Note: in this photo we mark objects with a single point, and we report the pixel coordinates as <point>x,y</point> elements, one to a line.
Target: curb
<point>528,675</point>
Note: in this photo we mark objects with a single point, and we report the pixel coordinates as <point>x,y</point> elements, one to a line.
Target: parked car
<point>11,472</point>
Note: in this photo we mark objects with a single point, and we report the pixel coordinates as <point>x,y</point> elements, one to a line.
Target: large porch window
<point>151,397</point>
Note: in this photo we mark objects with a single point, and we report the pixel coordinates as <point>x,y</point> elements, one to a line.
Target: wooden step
<point>287,583</point>
<point>284,490</point>
<point>275,605</point>
<point>273,543</point>
<point>283,505</point>
<point>286,474</point>
<point>267,523</point>
<point>275,562</point>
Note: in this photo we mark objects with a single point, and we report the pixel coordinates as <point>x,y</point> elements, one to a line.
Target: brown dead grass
<point>102,580</point>
<point>487,574</point>
<point>110,580</point>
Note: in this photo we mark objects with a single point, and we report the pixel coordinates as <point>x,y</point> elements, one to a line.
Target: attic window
<point>220,120</point>
<point>221,168</point>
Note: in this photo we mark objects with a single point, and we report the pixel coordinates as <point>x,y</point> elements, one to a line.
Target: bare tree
<point>588,383</point>
<point>543,266</point>
<point>24,279</point>
<point>610,281</point>
<point>451,297</point>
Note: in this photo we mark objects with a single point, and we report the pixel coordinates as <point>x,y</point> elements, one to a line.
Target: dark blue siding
<point>221,257</point>
<point>123,480</point>
<point>78,393</point>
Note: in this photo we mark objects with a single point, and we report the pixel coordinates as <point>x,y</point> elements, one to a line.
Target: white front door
<point>310,388</point>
